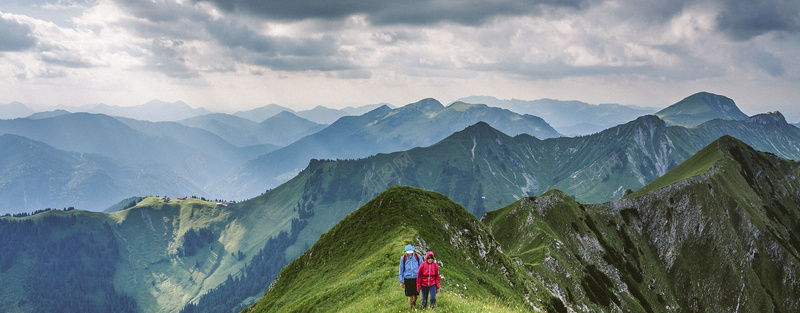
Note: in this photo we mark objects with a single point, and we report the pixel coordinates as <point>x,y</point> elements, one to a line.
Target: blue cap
<point>409,248</point>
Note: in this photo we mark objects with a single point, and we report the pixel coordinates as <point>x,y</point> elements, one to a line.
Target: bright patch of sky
<point>229,55</point>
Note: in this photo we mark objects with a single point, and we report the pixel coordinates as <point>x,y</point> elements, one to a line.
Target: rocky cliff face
<point>726,241</point>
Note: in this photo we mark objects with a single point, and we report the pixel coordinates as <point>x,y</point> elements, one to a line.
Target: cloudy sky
<point>230,55</point>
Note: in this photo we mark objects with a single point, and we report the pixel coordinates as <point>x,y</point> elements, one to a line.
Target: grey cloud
<point>296,64</point>
<point>15,36</point>
<point>70,62</point>
<point>281,53</point>
<point>167,59</point>
<point>756,56</point>
<point>689,69</point>
<point>168,20</point>
<point>743,19</point>
<point>233,36</point>
<point>161,11</point>
<point>386,12</point>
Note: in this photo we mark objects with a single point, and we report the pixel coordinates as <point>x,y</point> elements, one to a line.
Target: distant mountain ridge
<point>379,131</point>
<point>569,117</point>
<point>319,114</point>
<point>154,111</point>
<point>280,129</point>
<point>14,110</point>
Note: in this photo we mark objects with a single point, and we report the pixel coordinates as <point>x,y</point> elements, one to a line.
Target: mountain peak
<point>425,105</point>
<point>700,108</point>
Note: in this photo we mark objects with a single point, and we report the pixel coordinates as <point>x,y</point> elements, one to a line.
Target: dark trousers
<point>425,291</point>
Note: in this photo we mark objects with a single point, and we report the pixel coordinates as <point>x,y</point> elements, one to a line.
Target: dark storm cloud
<point>744,19</point>
<point>15,36</point>
<point>384,12</point>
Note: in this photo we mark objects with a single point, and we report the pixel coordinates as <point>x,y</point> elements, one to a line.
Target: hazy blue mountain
<point>154,111</point>
<point>48,114</point>
<point>260,114</point>
<point>236,130</point>
<point>285,128</point>
<point>164,158</point>
<point>325,115</point>
<point>378,131</point>
<point>580,129</point>
<point>99,134</point>
<point>14,110</point>
<point>278,130</point>
<point>210,156</point>
<point>35,176</point>
<point>322,115</point>
<point>700,108</point>
<point>569,115</point>
<point>365,108</point>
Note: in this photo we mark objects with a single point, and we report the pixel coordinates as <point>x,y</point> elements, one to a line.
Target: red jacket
<point>428,273</point>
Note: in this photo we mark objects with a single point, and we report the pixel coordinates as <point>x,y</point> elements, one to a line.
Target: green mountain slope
<point>168,252</point>
<point>724,240</point>
<point>379,131</point>
<point>353,267</point>
<point>700,108</point>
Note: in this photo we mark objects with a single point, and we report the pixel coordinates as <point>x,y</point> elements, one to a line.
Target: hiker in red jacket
<point>428,279</point>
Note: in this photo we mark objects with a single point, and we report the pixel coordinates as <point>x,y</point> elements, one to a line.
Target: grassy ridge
<point>353,267</point>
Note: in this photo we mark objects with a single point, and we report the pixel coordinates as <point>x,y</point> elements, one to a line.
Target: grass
<point>354,266</point>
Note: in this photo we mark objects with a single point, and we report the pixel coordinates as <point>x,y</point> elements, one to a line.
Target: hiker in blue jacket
<point>409,266</point>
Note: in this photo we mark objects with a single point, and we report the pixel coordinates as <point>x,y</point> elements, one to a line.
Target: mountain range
<point>197,156</point>
<point>194,255</point>
<point>381,130</point>
<point>719,232</point>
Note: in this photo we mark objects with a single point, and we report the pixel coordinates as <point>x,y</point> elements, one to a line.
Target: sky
<point>230,55</point>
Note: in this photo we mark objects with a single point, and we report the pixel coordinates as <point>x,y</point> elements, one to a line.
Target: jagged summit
<point>700,108</point>
<point>768,118</point>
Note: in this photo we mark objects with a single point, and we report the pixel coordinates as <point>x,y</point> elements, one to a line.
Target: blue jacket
<point>411,268</point>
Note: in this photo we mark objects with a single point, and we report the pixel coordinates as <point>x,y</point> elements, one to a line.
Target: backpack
<point>405,258</point>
